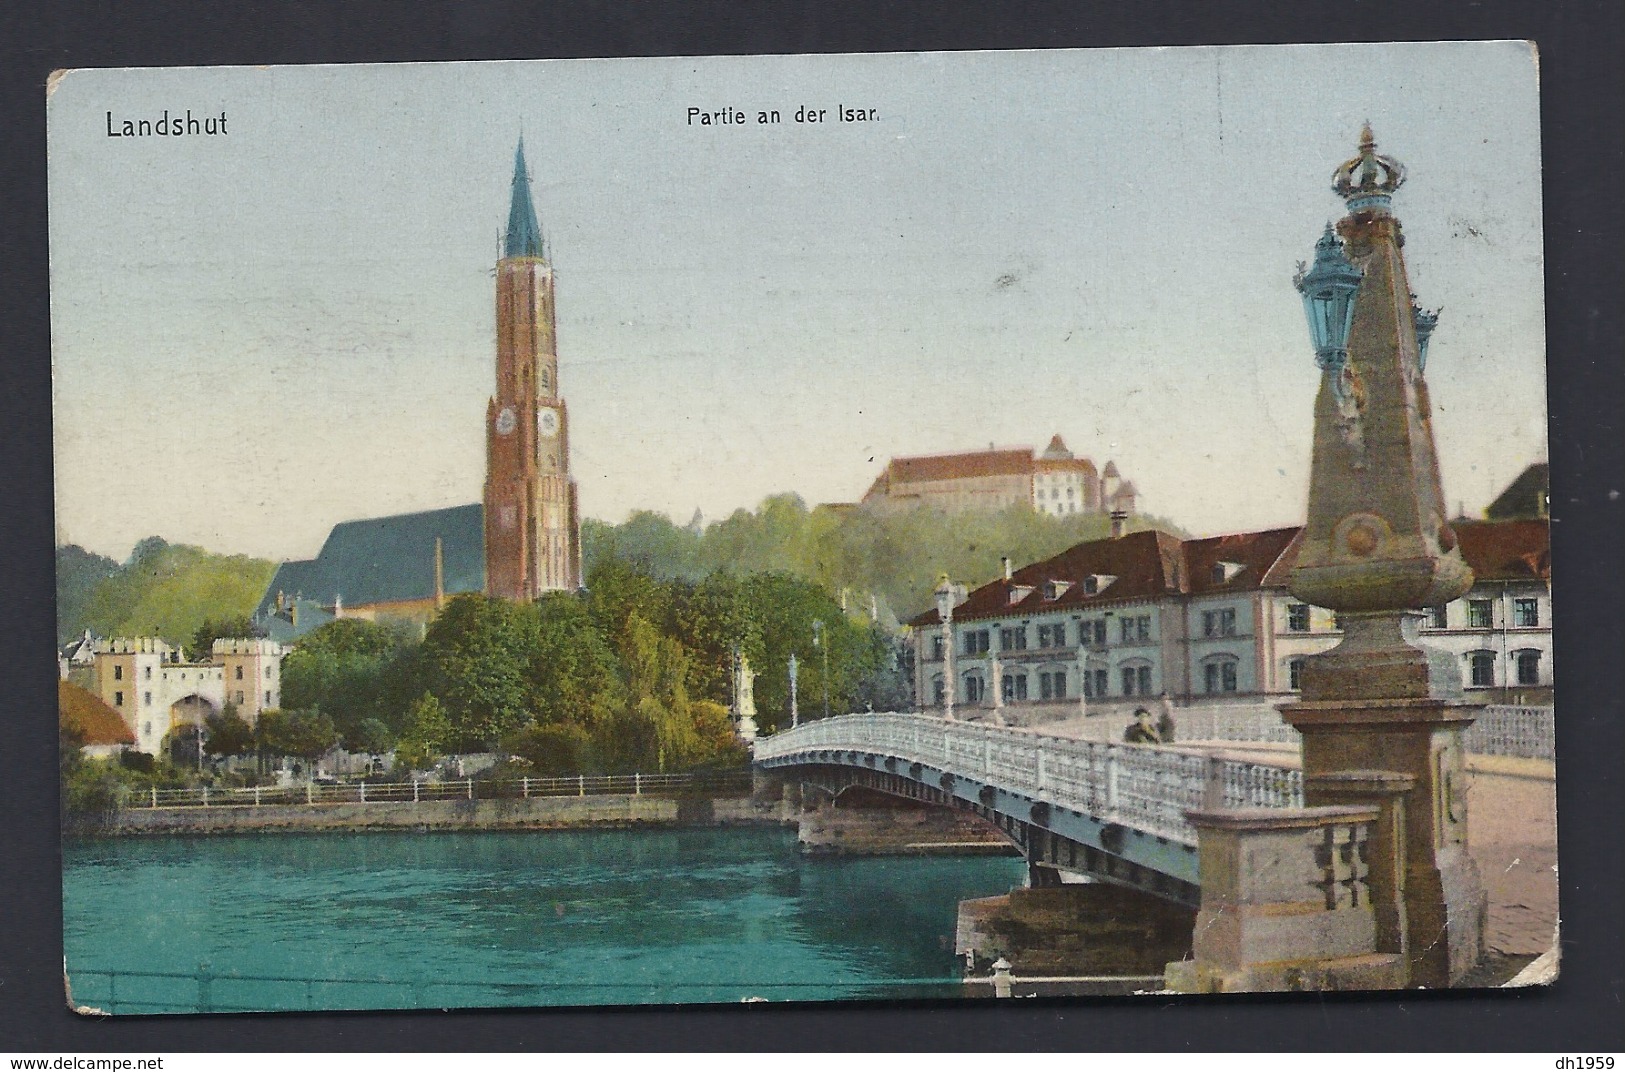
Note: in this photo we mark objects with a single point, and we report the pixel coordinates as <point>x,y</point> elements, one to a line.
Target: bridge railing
<point>1144,787</point>
<point>1527,732</point>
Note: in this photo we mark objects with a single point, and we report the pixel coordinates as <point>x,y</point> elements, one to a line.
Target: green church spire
<point>524,237</point>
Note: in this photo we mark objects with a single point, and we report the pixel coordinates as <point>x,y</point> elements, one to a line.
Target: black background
<point>1580,46</point>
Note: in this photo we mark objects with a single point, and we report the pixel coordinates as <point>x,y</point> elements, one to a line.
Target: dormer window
<point>1054,590</point>
<point>1018,592</point>
<point>1096,583</point>
<point>1226,571</point>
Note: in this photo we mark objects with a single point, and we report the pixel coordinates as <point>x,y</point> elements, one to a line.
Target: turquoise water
<point>379,921</point>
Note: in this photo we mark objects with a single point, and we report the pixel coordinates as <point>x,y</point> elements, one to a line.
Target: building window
<point>1013,639</point>
<point>1525,613</point>
<point>239,699</point>
<point>146,672</point>
<point>976,642</point>
<point>1136,680</point>
<point>1014,686</point>
<point>1136,628</point>
<point>239,672</point>
<point>1052,636</point>
<point>1297,617</point>
<point>1294,675</point>
<point>1528,667</point>
<point>146,699</point>
<point>936,647</point>
<point>1217,623</point>
<point>1100,683</point>
<point>267,698</point>
<point>1480,614</point>
<point>1091,585</point>
<point>937,691</point>
<point>146,729</point>
<point>973,689</point>
<point>1092,633</point>
<point>1437,618</point>
<point>118,699</point>
<point>118,673</point>
<point>1219,676</point>
<point>1052,686</point>
<point>1481,668</point>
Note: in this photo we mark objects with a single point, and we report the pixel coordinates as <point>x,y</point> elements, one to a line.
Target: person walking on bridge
<point>1141,731</point>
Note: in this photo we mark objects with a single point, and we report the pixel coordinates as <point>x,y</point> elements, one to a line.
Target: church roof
<point>388,560</point>
<point>524,237</point>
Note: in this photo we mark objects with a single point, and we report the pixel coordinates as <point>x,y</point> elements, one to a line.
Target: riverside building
<point>1115,623</point>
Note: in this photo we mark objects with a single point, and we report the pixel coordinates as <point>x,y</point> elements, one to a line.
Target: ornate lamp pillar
<point>1377,549</point>
<point>945,612</point>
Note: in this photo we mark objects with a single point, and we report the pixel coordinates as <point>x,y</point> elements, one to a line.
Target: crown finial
<point>1367,181</point>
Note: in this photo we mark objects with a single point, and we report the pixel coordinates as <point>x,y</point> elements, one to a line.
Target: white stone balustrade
<point>1143,787</point>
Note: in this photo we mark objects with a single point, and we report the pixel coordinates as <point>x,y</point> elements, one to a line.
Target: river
<point>458,920</point>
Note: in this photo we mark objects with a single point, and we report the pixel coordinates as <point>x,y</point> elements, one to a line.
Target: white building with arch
<point>154,689</point>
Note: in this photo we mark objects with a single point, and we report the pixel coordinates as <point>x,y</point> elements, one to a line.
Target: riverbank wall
<point>534,813</point>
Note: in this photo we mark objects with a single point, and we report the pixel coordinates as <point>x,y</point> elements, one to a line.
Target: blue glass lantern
<point>1425,320</point>
<point>1328,289</point>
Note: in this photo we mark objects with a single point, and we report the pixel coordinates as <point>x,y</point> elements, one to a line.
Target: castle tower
<point>532,542</point>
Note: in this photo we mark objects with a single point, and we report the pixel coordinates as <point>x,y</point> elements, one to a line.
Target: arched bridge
<point>1112,811</point>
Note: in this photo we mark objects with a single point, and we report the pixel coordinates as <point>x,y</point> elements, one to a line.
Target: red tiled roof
<point>1255,552</point>
<point>1014,462</point>
<point>1506,550</point>
<point>1150,564</point>
<point>92,719</point>
<point>1146,565</point>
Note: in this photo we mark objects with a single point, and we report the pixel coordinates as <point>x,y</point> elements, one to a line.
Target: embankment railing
<point>312,793</point>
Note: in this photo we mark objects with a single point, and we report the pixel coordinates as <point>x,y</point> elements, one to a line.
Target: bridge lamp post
<point>1376,545</point>
<point>795,713</point>
<point>945,611</point>
<point>818,642</point>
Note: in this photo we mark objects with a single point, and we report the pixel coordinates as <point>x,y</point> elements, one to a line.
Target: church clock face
<point>506,421</point>
<point>547,422</point>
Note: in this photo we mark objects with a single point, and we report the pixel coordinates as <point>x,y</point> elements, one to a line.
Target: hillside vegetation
<point>897,559</point>
<point>164,590</point>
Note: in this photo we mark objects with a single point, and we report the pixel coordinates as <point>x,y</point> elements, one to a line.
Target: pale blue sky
<point>262,334</point>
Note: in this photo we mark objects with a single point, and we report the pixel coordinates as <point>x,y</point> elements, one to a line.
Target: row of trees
<point>633,675</point>
<point>895,558</point>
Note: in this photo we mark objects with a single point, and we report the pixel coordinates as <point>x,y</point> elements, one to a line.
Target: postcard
<point>802,528</point>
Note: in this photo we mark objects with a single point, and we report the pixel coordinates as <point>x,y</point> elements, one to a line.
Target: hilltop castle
<point>1055,482</point>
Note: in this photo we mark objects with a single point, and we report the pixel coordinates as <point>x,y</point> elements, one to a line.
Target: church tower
<point>532,532</point>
